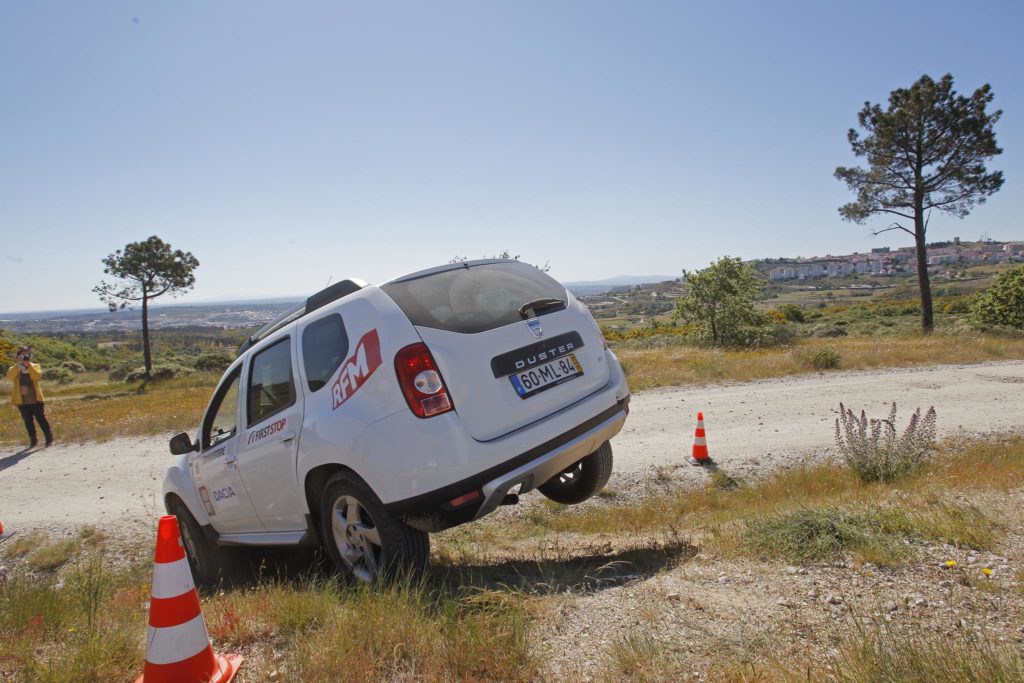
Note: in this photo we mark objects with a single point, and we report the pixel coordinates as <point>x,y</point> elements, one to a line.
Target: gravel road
<point>751,427</point>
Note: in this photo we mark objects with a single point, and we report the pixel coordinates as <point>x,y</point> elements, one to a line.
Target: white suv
<point>371,415</point>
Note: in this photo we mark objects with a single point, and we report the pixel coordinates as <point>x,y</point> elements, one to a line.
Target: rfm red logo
<point>357,369</point>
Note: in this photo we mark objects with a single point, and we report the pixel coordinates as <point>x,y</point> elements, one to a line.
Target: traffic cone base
<point>178,647</point>
<point>699,454</point>
<point>224,668</point>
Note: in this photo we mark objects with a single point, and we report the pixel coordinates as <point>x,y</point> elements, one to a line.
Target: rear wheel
<point>209,562</point>
<point>362,538</point>
<point>581,481</point>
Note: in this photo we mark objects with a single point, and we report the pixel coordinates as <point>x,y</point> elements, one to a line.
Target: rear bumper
<point>432,511</point>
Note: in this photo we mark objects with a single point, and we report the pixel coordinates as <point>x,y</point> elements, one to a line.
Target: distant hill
<point>589,287</point>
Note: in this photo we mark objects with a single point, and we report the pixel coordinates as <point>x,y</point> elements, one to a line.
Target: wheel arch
<point>314,483</point>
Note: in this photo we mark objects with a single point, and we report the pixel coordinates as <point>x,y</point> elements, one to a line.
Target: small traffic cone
<point>178,648</point>
<point>3,534</point>
<point>700,456</point>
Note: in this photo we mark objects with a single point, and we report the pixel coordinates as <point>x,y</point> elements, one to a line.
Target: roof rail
<point>318,300</point>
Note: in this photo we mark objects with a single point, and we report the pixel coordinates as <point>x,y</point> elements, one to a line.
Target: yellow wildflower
<point>986,571</point>
<point>950,563</point>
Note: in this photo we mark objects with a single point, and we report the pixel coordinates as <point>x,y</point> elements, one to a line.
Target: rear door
<point>505,366</point>
<point>268,446</point>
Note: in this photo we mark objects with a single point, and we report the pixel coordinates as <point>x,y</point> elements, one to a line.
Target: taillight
<point>421,381</point>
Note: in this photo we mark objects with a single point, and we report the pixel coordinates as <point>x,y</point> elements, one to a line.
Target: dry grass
<point>677,365</point>
<point>119,410</point>
<point>909,654</point>
<point>808,513</point>
<point>94,628</point>
<point>639,657</point>
<point>53,555</point>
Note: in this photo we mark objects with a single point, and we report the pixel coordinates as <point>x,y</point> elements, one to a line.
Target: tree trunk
<point>147,357</point>
<point>927,323</point>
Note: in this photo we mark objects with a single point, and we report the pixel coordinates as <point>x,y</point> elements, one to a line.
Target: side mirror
<point>182,444</point>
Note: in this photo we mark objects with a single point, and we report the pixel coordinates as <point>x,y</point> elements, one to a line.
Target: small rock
<point>834,600</point>
<point>891,606</point>
<point>273,675</point>
<point>921,602</point>
<point>723,579</point>
<point>784,602</point>
<point>792,570</point>
<point>945,584</point>
<point>674,597</point>
<point>972,559</point>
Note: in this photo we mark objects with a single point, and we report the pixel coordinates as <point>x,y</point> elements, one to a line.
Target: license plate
<point>535,380</point>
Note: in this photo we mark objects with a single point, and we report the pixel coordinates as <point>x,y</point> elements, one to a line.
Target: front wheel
<point>209,563</point>
<point>362,538</point>
<point>582,480</point>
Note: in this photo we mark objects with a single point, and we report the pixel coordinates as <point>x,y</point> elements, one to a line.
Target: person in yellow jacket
<point>24,376</point>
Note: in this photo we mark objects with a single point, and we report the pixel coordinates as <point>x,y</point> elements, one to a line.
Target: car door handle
<point>287,436</point>
<point>230,458</point>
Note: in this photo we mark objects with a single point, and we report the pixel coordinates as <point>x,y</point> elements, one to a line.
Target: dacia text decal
<point>357,369</point>
<point>224,497</point>
<point>270,429</point>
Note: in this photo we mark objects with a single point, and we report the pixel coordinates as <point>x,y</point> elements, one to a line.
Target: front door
<point>215,467</point>
<point>268,448</point>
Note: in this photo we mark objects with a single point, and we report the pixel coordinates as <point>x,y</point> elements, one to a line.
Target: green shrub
<point>825,358</point>
<point>822,358</point>
<point>872,449</point>
<point>120,372</point>
<point>792,312</point>
<point>160,371</point>
<point>827,332</point>
<point>58,374</point>
<point>1003,303</point>
<point>73,366</point>
<point>214,361</point>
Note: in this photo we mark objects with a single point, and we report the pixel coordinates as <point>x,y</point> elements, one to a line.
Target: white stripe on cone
<point>171,579</point>
<point>700,441</point>
<point>173,644</point>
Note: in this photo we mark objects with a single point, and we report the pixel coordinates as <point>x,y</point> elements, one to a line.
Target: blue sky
<point>288,143</point>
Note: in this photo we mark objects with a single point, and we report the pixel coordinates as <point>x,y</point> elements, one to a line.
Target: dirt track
<point>751,427</point>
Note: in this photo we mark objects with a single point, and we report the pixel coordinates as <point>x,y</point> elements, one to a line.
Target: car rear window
<point>475,298</point>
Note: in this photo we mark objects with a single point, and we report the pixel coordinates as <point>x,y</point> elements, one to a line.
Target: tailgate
<point>507,378</point>
<point>512,344</point>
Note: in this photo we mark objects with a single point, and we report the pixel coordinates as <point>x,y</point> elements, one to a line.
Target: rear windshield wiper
<point>532,308</point>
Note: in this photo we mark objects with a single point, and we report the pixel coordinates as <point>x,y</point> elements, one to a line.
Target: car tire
<point>363,539</point>
<point>210,563</point>
<point>581,481</point>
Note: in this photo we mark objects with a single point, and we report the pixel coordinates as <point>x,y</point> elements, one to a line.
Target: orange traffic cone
<point>178,649</point>
<point>700,455</point>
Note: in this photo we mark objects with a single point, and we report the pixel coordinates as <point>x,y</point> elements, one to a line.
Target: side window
<point>222,418</point>
<point>270,382</point>
<point>324,347</point>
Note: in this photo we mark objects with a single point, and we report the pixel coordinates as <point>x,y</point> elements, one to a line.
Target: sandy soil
<point>751,427</point>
